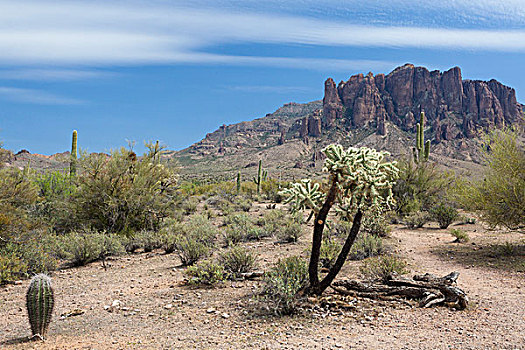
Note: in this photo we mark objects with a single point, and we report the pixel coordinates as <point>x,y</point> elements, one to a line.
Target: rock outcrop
<point>454,107</point>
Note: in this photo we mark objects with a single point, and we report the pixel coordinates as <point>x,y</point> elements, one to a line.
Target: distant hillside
<point>376,111</point>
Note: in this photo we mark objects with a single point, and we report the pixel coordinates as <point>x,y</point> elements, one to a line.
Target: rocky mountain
<point>379,111</point>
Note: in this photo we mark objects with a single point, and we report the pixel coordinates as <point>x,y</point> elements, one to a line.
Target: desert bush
<point>189,205</point>
<point>81,248</point>
<point>290,232</point>
<point>366,246</point>
<point>190,249</point>
<point>240,228</point>
<point>417,219</point>
<point>123,193</point>
<point>237,260</point>
<point>11,266</point>
<point>500,196</point>
<point>147,240</point>
<point>444,214</point>
<point>200,227</point>
<point>205,272</point>
<point>376,223</point>
<point>380,268</point>
<point>419,186</point>
<point>284,281</point>
<point>460,235</point>
<point>330,249</point>
<point>270,190</point>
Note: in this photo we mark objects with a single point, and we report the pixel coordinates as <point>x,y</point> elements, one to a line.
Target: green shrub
<point>500,196</point>
<point>11,267</point>
<point>189,205</point>
<point>148,240</point>
<point>240,228</point>
<point>366,246</point>
<point>190,249</point>
<point>201,228</point>
<point>81,248</point>
<point>417,219</point>
<point>123,193</point>
<point>205,272</point>
<point>330,249</point>
<point>283,283</point>
<point>444,214</point>
<point>375,223</point>
<point>237,260</point>
<point>419,186</point>
<point>290,232</point>
<point>380,268</point>
<point>461,236</point>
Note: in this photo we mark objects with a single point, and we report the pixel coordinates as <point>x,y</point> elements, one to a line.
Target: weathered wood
<point>428,289</point>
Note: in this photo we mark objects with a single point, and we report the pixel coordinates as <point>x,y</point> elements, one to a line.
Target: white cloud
<point>130,33</point>
<point>53,74</point>
<point>36,97</point>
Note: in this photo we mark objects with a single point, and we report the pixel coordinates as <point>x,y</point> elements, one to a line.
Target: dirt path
<point>156,312</point>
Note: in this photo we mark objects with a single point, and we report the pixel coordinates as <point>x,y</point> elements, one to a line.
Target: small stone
<point>210,310</point>
<point>225,315</point>
<point>168,306</point>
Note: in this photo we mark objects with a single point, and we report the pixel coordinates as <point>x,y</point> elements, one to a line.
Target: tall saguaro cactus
<point>238,182</point>
<point>73,161</point>
<point>422,149</point>
<point>40,301</point>
<point>261,176</point>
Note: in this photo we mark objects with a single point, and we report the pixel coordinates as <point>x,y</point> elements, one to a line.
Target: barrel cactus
<point>39,302</point>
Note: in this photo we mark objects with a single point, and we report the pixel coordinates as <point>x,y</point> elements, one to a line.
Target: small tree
<point>358,178</point>
<point>500,196</point>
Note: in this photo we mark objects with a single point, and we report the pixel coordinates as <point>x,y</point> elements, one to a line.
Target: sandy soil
<point>157,312</point>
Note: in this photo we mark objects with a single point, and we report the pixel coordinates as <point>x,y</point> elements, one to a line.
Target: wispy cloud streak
<point>96,33</point>
<point>36,97</point>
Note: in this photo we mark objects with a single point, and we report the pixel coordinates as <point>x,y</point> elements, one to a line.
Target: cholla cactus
<point>359,178</point>
<point>39,302</point>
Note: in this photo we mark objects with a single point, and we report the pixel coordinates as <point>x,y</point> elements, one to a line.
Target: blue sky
<point>175,70</point>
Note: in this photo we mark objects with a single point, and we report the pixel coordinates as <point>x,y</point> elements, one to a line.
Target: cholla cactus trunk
<point>73,162</point>
<point>40,301</point>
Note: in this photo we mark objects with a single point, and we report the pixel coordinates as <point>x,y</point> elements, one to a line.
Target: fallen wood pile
<point>428,289</point>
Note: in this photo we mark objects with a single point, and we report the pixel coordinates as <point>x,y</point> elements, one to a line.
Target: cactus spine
<point>73,162</point>
<point>261,176</point>
<point>39,302</point>
<point>238,182</point>
<point>422,149</point>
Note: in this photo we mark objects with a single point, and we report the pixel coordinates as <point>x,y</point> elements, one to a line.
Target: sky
<point>132,71</point>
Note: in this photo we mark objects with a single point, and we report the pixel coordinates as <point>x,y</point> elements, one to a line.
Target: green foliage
<point>81,248</point>
<point>290,232</point>
<point>237,260</point>
<point>190,249</point>
<point>444,214</point>
<point>375,222</point>
<point>205,272</point>
<point>146,240</point>
<point>460,235</point>
<point>380,268</point>
<point>122,193</point>
<point>11,266</point>
<point>417,219</point>
<point>366,246</point>
<point>189,205</point>
<point>283,283</point>
<point>419,186</point>
<point>330,249</point>
<point>303,195</point>
<point>500,196</point>
<point>240,228</point>
<point>40,301</point>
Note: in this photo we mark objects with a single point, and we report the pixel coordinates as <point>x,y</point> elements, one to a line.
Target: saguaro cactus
<point>39,302</point>
<point>238,182</point>
<point>73,161</point>
<point>261,176</point>
<point>422,149</point>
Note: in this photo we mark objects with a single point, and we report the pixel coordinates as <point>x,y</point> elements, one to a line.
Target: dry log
<point>430,290</point>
